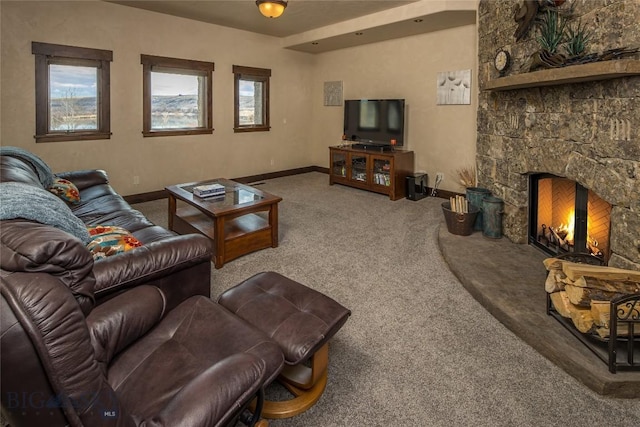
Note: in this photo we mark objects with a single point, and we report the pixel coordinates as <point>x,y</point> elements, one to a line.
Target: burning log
<point>592,246</point>
<point>557,237</point>
<point>561,238</point>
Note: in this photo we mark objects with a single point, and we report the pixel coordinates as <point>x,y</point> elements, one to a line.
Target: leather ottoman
<point>302,321</point>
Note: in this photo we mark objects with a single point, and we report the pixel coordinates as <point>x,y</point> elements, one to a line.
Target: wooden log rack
<point>620,350</point>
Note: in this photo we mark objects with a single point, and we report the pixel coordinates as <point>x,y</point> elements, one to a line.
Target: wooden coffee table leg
<point>273,223</point>
<point>218,241</point>
<point>172,210</point>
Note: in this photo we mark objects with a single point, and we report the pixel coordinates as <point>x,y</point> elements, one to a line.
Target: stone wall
<point>588,132</point>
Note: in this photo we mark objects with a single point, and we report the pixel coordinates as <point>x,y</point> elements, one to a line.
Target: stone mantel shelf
<point>566,75</point>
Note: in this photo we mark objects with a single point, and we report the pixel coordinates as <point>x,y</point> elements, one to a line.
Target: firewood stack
<point>582,293</point>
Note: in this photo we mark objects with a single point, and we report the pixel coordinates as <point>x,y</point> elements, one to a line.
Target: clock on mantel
<point>593,71</point>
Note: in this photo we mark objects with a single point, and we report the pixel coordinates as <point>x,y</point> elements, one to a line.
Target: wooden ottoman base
<point>306,383</point>
<point>301,321</point>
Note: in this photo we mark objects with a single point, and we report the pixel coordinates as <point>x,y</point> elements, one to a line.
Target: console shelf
<point>566,75</point>
<point>374,170</point>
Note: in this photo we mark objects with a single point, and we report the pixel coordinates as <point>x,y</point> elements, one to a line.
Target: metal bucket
<point>493,208</point>
<point>475,196</point>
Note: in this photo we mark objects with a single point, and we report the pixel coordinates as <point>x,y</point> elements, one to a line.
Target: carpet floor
<point>418,349</point>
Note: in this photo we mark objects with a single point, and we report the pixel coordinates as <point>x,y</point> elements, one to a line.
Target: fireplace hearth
<point>566,217</point>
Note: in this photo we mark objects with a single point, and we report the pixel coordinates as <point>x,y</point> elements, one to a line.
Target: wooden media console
<point>374,170</point>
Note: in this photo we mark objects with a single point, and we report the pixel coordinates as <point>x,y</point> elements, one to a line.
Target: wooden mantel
<point>566,75</point>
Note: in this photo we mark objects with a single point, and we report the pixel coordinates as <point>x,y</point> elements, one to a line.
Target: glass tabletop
<point>234,194</point>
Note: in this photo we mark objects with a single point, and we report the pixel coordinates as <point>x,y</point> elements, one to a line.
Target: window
<point>177,96</point>
<point>72,93</point>
<point>251,99</point>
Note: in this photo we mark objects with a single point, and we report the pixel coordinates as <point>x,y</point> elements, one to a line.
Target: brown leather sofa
<point>130,361</point>
<point>129,340</point>
<point>175,264</point>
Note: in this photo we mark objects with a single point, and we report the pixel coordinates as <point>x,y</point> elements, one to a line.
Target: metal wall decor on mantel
<point>562,36</point>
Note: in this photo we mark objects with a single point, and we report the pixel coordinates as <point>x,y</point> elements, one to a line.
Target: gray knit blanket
<point>42,169</point>
<point>19,200</point>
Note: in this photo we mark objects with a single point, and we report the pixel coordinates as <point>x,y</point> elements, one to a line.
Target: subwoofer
<point>417,186</point>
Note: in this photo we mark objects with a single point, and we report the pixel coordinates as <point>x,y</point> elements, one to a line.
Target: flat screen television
<point>374,121</point>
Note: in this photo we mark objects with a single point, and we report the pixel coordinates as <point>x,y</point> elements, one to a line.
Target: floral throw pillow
<point>110,240</point>
<point>66,190</point>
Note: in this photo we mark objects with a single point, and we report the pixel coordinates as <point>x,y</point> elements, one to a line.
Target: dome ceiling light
<point>271,8</point>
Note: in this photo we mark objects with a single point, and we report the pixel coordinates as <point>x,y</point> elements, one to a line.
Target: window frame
<point>254,74</point>
<point>47,54</point>
<point>152,63</point>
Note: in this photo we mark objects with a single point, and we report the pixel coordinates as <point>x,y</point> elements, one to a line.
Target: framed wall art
<point>454,87</point>
<point>333,93</point>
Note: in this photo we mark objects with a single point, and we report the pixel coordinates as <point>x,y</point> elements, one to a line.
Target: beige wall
<point>443,137</point>
<point>158,161</point>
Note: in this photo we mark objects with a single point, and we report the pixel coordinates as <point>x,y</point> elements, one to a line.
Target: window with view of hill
<point>72,92</point>
<point>251,99</point>
<point>177,96</point>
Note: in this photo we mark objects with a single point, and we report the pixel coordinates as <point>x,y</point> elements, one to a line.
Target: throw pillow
<point>110,240</point>
<point>66,190</point>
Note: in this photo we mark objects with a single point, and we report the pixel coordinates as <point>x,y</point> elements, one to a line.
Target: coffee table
<point>244,220</point>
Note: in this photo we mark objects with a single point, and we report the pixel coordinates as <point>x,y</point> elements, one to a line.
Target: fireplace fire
<point>566,217</point>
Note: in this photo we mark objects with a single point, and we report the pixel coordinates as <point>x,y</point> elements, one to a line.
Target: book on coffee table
<point>209,190</point>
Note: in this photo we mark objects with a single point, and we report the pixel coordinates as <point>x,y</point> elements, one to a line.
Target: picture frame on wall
<point>333,93</point>
<point>454,87</point>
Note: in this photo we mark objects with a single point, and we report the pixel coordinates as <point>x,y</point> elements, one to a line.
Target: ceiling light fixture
<point>271,8</point>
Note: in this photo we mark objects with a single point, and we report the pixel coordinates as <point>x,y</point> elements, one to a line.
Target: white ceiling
<point>298,17</point>
<point>322,25</point>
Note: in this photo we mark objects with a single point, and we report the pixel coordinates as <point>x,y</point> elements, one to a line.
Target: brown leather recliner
<point>129,361</point>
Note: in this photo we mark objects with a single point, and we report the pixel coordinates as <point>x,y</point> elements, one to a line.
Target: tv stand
<point>371,169</point>
<point>372,147</point>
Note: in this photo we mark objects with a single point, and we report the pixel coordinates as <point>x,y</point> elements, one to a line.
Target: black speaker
<point>417,186</point>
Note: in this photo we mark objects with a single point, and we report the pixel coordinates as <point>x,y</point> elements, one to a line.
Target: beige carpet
<point>418,349</point>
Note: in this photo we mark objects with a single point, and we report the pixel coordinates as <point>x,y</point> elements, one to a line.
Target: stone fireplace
<point>582,135</point>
